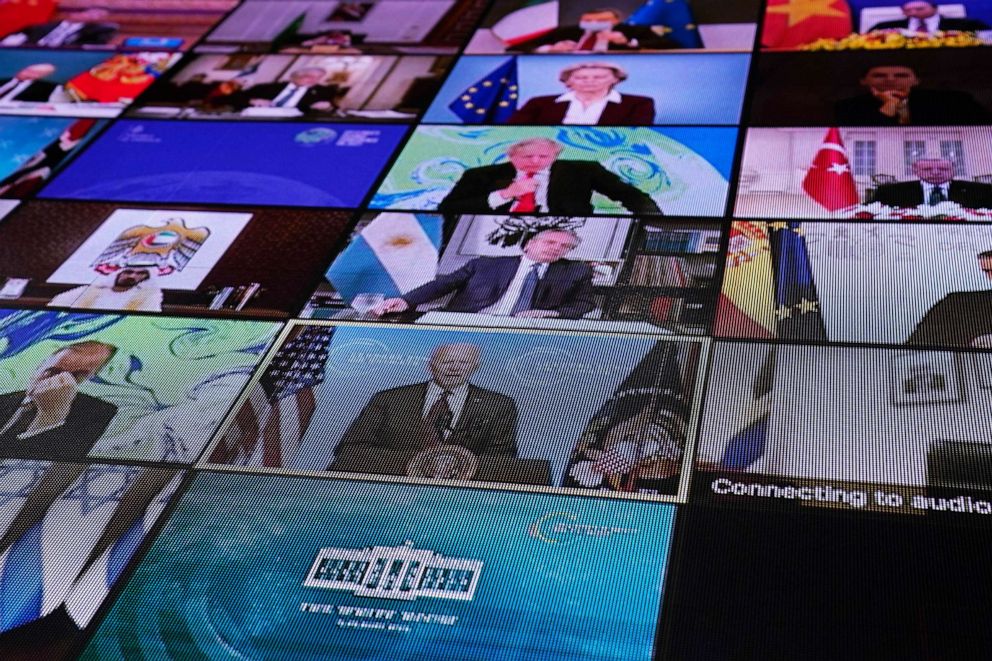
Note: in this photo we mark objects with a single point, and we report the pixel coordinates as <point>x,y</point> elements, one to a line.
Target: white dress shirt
<point>13,87</point>
<point>509,298</point>
<point>579,114</point>
<point>540,195</point>
<point>61,33</point>
<point>456,402</point>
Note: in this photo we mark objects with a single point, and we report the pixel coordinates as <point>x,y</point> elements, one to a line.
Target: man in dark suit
<point>960,319</point>
<point>304,91</point>
<point>598,30</point>
<point>935,184</point>
<point>51,418</point>
<point>591,98</point>
<point>534,180</point>
<point>28,84</point>
<point>398,423</point>
<point>923,17</point>
<point>893,98</point>
<point>83,27</point>
<point>537,284</point>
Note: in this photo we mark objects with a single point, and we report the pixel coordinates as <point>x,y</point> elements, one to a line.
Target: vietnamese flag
<point>15,15</point>
<point>794,23</point>
<point>121,78</point>
<point>829,180</point>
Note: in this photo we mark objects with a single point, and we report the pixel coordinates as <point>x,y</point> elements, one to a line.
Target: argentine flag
<point>393,254</point>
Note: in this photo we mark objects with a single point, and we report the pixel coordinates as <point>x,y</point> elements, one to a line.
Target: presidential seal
<point>444,462</point>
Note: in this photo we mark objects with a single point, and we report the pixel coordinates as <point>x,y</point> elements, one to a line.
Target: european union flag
<point>797,304</point>
<point>492,99</point>
<point>675,15</point>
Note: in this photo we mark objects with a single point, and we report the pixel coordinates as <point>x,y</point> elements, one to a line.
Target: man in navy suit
<point>923,17</point>
<point>591,99</point>
<point>537,284</point>
<point>935,184</point>
<point>398,423</point>
<point>304,91</point>
<point>536,180</point>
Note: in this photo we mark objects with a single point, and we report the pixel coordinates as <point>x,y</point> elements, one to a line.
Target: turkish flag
<point>18,14</point>
<point>829,179</point>
<point>794,23</point>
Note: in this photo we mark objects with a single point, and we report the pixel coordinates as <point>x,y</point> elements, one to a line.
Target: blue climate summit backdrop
<point>297,164</point>
<point>254,567</point>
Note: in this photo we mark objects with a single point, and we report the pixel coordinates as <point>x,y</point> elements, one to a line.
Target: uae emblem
<point>167,247</point>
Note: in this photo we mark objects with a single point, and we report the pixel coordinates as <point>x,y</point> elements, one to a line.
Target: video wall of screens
<point>495,330</point>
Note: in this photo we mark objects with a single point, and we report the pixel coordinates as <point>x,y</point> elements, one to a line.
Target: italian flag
<point>534,18</point>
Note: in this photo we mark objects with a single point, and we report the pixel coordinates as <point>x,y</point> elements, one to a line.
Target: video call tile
<point>252,566</point>
<point>570,171</point>
<point>81,385</point>
<point>853,415</point>
<point>76,84</point>
<point>33,148</point>
<point>430,404</point>
<point>111,24</point>
<point>636,91</point>
<point>617,275</point>
<point>194,261</point>
<point>295,164</point>
<point>876,25</point>
<point>330,26</point>
<point>67,531</point>
<point>920,87</point>
<point>387,88</point>
<point>836,585</point>
<point>877,283</point>
<point>622,27</point>
<point>867,173</point>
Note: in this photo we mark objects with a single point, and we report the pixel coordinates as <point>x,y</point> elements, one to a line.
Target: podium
<point>492,467</point>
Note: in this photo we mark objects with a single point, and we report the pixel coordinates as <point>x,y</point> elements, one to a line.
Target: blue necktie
<point>936,195</point>
<point>526,298</point>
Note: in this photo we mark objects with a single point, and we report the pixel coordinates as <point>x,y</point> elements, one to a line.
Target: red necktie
<point>588,43</point>
<point>527,202</point>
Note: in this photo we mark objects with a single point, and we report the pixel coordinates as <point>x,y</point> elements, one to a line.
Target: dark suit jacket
<point>37,91</point>
<point>270,91</point>
<point>389,423</point>
<point>955,320</point>
<point>570,188</point>
<point>945,23</point>
<point>969,194</point>
<point>90,33</point>
<point>566,286</point>
<point>926,108</point>
<point>631,111</point>
<point>647,39</point>
<point>87,421</point>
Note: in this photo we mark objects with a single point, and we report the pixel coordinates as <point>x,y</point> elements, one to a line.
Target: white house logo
<point>559,527</point>
<point>394,572</point>
<point>362,355</point>
<point>543,365</point>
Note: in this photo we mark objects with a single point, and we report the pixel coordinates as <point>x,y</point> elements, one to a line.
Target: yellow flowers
<point>886,39</point>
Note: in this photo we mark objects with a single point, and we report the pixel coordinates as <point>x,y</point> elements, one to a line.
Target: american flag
<point>273,420</point>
